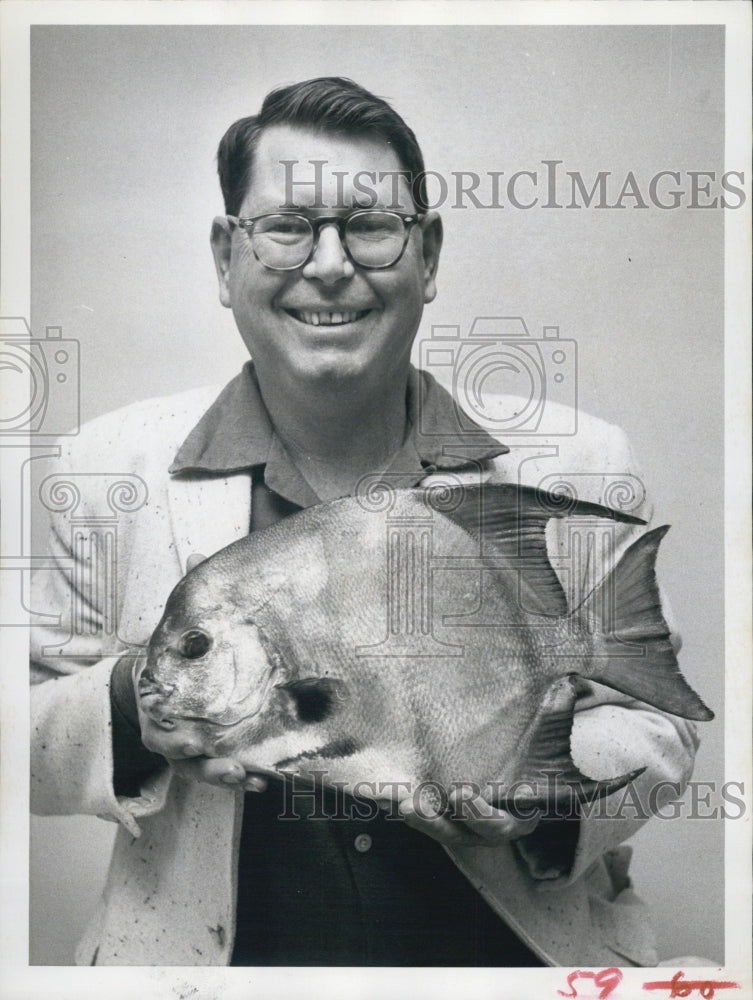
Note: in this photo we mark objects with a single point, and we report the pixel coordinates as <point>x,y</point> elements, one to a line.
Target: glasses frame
<point>341,221</point>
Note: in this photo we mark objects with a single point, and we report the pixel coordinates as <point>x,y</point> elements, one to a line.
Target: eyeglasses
<point>371,238</point>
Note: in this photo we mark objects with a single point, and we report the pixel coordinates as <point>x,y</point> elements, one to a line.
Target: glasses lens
<point>375,239</point>
<point>282,241</point>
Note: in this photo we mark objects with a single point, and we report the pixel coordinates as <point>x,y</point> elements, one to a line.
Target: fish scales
<point>427,641</point>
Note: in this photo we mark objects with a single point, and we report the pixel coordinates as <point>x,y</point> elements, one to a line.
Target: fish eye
<point>194,644</point>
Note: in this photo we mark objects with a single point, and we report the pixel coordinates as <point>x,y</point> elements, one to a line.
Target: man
<point>327,286</point>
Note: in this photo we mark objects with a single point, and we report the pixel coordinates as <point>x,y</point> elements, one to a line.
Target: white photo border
<point>17,978</point>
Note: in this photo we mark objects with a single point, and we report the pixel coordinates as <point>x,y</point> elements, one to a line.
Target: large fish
<point>429,642</point>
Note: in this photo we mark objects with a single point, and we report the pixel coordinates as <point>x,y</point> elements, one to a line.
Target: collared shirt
<point>236,434</point>
<point>330,888</point>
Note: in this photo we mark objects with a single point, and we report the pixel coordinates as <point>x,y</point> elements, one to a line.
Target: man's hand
<point>478,824</point>
<point>186,758</point>
<point>225,772</point>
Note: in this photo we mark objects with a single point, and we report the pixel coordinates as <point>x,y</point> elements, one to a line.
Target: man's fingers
<point>486,821</point>
<point>215,770</point>
<point>474,822</point>
<point>255,783</point>
<point>224,772</point>
<point>501,826</point>
<point>437,827</point>
<point>193,561</point>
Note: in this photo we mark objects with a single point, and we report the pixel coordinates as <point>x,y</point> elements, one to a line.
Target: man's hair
<point>328,104</point>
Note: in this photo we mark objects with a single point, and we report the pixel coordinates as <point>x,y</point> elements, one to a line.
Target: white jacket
<point>170,893</point>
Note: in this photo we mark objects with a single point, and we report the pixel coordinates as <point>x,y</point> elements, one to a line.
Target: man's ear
<point>431,228</point>
<point>221,240</point>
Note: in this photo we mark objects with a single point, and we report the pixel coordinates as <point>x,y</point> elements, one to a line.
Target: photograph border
<point>17,978</point>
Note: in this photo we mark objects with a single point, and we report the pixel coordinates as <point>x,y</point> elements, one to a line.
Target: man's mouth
<point>327,318</point>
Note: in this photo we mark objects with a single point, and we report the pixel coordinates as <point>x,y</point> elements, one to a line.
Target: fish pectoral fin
<point>509,521</point>
<point>316,698</point>
<point>546,777</point>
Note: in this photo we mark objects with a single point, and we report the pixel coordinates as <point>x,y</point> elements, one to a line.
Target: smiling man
<point>327,288</point>
<point>327,305</point>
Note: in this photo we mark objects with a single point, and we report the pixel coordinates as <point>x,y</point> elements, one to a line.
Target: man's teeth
<point>327,318</point>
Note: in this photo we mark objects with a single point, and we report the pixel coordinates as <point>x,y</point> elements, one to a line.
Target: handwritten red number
<point>570,979</point>
<point>678,986</point>
<point>606,980</point>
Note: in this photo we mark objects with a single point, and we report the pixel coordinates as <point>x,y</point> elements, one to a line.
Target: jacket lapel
<point>209,513</point>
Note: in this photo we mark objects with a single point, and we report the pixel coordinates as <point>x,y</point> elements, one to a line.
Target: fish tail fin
<point>632,648</point>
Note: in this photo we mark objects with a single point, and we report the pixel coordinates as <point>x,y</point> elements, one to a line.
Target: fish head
<point>207,671</point>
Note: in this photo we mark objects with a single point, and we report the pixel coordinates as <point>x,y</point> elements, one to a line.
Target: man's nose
<point>329,263</point>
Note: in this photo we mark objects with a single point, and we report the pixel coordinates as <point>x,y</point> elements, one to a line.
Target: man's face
<point>292,321</point>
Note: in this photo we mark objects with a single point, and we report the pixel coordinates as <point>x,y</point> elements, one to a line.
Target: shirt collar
<point>236,434</point>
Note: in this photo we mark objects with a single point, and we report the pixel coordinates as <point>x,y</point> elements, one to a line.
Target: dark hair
<point>330,104</point>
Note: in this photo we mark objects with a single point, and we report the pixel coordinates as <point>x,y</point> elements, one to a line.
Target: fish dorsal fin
<point>509,523</point>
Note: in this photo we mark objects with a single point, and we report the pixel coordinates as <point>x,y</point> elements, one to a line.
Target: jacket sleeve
<point>612,734</point>
<point>72,658</point>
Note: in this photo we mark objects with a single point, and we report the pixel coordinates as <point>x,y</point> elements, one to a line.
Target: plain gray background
<point>125,123</point>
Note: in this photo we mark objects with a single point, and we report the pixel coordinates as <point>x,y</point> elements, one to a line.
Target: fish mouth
<point>155,699</point>
<point>327,317</point>
<point>150,688</point>
<point>157,710</point>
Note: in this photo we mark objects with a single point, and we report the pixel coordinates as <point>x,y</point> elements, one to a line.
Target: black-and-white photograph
<point>373,476</point>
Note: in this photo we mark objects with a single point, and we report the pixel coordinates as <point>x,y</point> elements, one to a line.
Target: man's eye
<point>289,227</point>
<point>284,230</point>
<point>194,644</point>
<point>373,228</point>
